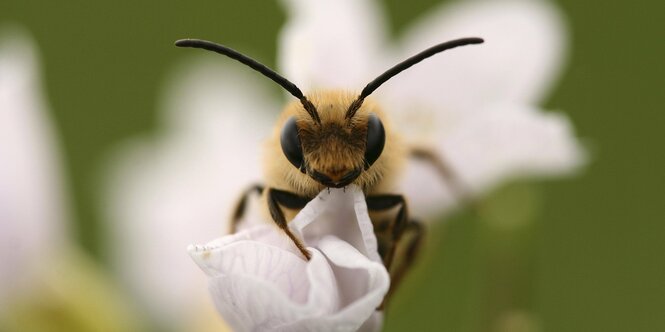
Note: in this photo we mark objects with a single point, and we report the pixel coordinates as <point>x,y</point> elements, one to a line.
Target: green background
<point>589,257</point>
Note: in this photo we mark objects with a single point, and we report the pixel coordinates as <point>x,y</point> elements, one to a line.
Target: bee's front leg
<point>275,198</point>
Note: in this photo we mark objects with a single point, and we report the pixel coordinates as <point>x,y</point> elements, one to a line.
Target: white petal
<point>339,212</point>
<point>511,140</point>
<point>362,285</point>
<point>373,323</point>
<point>500,143</point>
<point>331,44</point>
<point>522,54</point>
<point>258,284</point>
<point>428,195</point>
<point>182,183</point>
<point>32,209</point>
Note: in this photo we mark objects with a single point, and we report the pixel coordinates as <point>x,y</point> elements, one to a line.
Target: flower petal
<point>32,201</point>
<point>500,143</point>
<point>523,51</point>
<point>259,285</point>
<point>339,212</point>
<point>331,44</point>
<point>508,140</point>
<point>257,253</point>
<point>184,183</point>
<point>362,283</point>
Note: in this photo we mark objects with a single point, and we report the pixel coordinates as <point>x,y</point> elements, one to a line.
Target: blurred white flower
<point>260,281</point>
<point>42,272</point>
<point>181,185</point>
<point>32,202</point>
<point>475,106</point>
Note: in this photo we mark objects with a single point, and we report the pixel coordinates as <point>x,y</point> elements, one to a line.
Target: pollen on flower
<point>200,249</point>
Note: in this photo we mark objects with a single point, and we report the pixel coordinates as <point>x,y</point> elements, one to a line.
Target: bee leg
<point>405,233</point>
<point>292,201</point>
<point>411,242</point>
<point>385,202</point>
<point>239,210</point>
<point>459,188</point>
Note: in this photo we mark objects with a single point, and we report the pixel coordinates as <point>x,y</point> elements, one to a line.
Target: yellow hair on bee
<point>334,147</point>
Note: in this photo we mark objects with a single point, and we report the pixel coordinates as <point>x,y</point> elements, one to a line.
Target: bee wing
<point>178,186</point>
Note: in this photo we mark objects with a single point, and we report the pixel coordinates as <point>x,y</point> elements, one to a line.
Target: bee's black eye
<point>376,138</point>
<point>291,144</point>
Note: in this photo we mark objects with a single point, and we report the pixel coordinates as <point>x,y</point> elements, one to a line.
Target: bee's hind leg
<point>409,248</point>
<point>239,211</point>
<point>460,189</point>
<point>394,228</point>
<point>399,239</point>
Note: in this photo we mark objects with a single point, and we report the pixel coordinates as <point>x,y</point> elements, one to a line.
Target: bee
<point>334,138</point>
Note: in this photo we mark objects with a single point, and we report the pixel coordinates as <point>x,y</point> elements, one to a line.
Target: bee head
<point>336,139</point>
<point>337,150</point>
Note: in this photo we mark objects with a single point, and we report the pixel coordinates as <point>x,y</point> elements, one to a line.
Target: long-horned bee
<point>333,138</point>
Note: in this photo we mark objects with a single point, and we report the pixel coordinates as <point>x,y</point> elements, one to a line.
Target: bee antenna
<point>261,68</point>
<point>406,64</point>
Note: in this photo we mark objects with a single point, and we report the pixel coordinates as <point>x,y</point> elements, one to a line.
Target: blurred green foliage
<point>588,257</point>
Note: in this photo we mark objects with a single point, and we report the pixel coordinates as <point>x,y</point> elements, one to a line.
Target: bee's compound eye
<point>376,138</point>
<point>291,144</point>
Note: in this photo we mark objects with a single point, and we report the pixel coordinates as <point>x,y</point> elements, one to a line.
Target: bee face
<point>337,150</point>
<point>332,138</point>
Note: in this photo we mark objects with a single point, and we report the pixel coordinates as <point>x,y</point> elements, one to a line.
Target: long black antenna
<point>398,68</point>
<point>261,68</point>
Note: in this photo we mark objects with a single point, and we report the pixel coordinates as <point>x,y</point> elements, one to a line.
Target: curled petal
<point>258,284</point>
<point>259,280</point>
<point>341,212</point>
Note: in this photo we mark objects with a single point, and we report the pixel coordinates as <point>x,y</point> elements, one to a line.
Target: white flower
<point>260,281</point>
<point>32,213</point>
<point>182,185</point>
<point>476,106</point>
<point>46,281</point>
